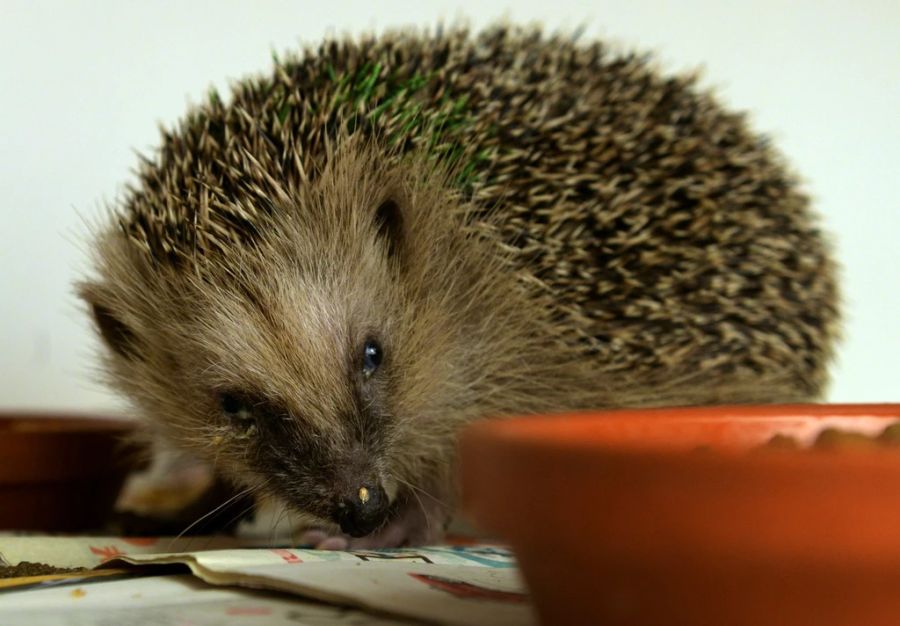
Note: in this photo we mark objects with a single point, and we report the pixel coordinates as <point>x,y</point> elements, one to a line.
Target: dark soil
<point>27,568</point>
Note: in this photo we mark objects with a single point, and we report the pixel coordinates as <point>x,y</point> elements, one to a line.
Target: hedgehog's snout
<point>363,510</point>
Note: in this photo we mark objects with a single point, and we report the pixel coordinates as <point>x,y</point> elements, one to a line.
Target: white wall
<point>83,85</point>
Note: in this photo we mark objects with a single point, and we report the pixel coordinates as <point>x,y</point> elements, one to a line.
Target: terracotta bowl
<point>677,517</point>
<point>59,472</point>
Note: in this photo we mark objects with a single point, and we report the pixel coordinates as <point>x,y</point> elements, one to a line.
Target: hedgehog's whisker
<point>277,520</point>
<point>425,493</point>
<point>231,500</point>
<point>424,513</point>
<point>413,490</point>
<point>241,514</point>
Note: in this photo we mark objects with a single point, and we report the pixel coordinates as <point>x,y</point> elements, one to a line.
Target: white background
<point>84,84</point>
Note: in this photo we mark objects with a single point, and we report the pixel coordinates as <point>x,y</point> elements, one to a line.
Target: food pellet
<point>838,439</point>
<point>27,568</point>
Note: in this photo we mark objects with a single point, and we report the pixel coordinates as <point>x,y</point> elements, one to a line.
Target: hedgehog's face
<point>307,361</point>
<point>331,365</point>
<point>307,407</point>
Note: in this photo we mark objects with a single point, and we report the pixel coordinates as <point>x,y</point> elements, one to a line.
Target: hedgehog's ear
<point>389,225</point>
<point>115,333</point>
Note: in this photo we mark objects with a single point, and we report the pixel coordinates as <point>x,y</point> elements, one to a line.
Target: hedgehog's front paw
<point>414,524</point>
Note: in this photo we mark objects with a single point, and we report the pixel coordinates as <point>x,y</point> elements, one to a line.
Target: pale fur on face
<point>366,252</point>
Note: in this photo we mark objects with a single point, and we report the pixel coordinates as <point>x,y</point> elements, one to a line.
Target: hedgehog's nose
<point>363,511</point>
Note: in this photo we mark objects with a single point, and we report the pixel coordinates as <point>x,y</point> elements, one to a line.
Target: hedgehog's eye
<point>372,356</point>
<point>234,406</point>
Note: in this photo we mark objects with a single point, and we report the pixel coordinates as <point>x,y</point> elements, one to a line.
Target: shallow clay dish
<point>59,472</point>
<point>677,517</point>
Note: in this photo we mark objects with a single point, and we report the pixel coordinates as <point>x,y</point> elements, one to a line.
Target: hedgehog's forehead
<point>291,345</point>
<point>317,304</point>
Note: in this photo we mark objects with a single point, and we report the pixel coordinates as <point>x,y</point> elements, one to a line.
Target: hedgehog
<point>315,282</point>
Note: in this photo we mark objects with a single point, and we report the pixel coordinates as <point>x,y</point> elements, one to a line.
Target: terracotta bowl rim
<point>540,428</point>
<point>540,438</point>
<point>39,422</point>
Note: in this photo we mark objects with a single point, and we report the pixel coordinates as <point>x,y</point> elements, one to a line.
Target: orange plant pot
<point>625,517</point>
<point>60,473</point>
